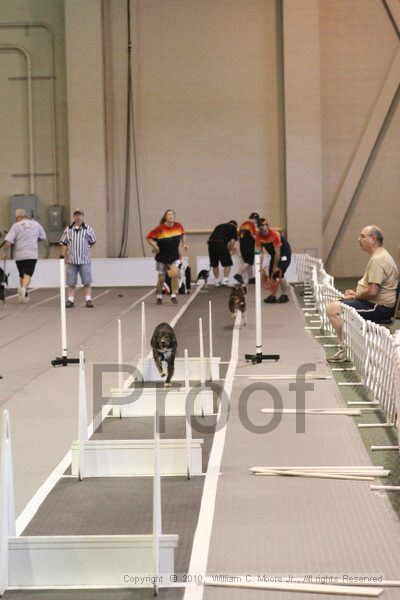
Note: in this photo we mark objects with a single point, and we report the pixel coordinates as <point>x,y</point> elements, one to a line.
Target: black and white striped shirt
<point>78,240</point>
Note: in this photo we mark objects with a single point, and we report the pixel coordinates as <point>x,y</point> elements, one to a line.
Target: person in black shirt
<point>221,244</point>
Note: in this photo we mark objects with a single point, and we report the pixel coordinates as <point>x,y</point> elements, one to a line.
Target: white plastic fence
<point>372,349</point>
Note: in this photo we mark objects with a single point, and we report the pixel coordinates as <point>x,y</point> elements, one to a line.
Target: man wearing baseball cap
<point>76,242</point>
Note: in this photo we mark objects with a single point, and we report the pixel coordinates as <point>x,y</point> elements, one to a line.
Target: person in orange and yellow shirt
<point>165,240</point>
<point>277,246</point>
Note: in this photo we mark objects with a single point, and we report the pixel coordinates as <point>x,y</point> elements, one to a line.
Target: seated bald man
<point>375,296</point>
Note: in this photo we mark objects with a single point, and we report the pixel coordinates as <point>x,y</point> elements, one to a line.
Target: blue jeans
<point>84,271</point>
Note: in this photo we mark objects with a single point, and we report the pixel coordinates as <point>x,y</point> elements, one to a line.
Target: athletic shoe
<point>89,304</point>
<point>174,300</point>
<point>217,284</point>
<point>338,357</point>
<point>252,280</point>
<point>159,301</point>
<point>225,282</point>
<point>21,294</point>
<point>69,304</point>
<point>239,278</point>
<point>270,300</point>
<point>283,298</point>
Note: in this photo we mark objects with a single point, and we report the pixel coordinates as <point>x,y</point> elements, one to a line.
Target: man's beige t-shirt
<point>381,270</point>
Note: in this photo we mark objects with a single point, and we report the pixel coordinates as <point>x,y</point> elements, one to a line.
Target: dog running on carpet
<point>164,345</point>
<point>237,301</point>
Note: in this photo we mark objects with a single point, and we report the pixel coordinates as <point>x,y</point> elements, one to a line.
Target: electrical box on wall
<point>56,227</point>
<point>27,201</point>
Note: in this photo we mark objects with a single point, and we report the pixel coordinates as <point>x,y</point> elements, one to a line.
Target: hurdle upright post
<point>188,417</point>
<point>157,523</point>
<point>63,360</point>
<point>7,509</point>
<point>210,336</point>
<point>83,436</point>
<point>120,373</point>
<point>258,357</point>
<point>202,364</point>
<point>143,338</point>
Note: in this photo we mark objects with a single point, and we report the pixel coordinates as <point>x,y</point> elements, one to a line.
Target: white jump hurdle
<point>77,561</point>
<point>211,367</point>
<point>115,458</point>
<point>142,401</point>
<point>148,370</point>
<point>118,458</point>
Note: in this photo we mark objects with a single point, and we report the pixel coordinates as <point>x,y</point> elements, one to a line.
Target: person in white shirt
<point>24,235</point>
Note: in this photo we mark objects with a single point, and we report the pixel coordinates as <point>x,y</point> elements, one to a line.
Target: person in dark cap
<point>247,236</point>
<point>221,245</point>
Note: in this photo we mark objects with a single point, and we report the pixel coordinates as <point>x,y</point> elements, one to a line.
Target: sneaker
<point>252,280</point>
<point>174,300</point>
<point>338,357</point>
<point>69,304</point>
<point>89,304</point>
<point>270,300</point>
<point>159,301</point>
<point>21,294</point>
<point>217,284</point>
<point>239,278</point>
<point>26,299</point>
<point>225,281</point>
<point>283,298</point>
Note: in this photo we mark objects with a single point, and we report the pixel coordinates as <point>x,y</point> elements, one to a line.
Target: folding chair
<point>397,305</point>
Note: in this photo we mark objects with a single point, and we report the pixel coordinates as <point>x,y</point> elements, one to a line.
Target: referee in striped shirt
<point>76,242</point>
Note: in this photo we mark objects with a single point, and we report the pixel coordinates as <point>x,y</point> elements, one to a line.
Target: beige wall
<point>85,102</point>
<point>206,110</point>
<point>303,125</point>
<point>358,45</point>
<point>13,113</point>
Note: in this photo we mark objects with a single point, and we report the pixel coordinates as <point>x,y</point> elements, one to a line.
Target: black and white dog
<point>237,301</point>
<point>164,346</point>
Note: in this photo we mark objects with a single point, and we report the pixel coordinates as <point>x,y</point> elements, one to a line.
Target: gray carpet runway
<point>265,525</point>
<point>123,505</point>
<point>293,526</point>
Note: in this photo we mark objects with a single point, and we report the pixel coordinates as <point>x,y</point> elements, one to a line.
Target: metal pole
<point>82,416</point>
<point>258,357</point>
<point>210,336</point>
<point>157,523</point>
<point>188,418</point>
<point>257,263</point>
<point>143,340</point>
<point>64,346</point>
<point>63,361</point>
